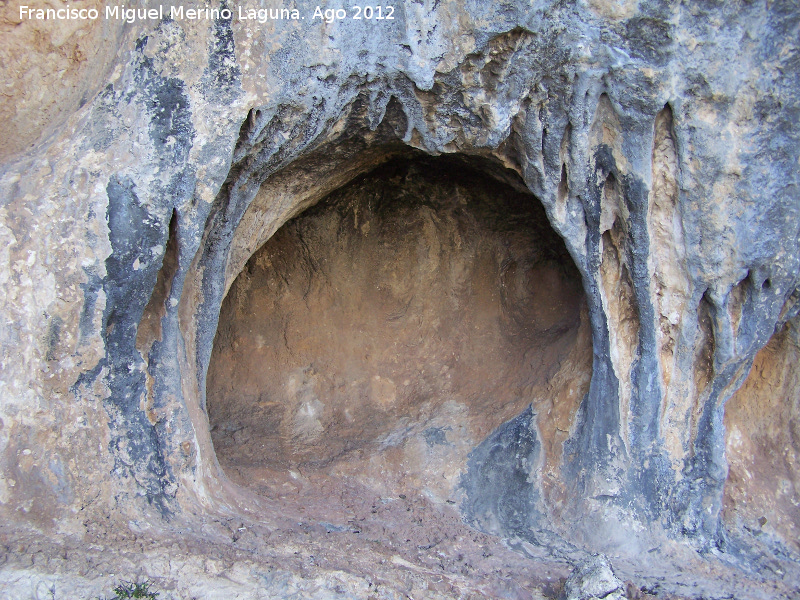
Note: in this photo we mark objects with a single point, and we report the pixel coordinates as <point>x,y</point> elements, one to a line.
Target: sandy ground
<point>338,540</point>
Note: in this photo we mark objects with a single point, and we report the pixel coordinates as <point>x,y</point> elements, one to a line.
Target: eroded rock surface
<point>658,140</point>
<point>386,331</point>
<point>593,579</point>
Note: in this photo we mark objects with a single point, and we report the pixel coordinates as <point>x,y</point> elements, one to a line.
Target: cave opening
<point>384,332</point>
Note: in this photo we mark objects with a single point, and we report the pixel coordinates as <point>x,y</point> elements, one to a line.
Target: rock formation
<point>438,305</point>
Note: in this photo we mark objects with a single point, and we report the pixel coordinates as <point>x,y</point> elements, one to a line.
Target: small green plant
<point>126,589</point>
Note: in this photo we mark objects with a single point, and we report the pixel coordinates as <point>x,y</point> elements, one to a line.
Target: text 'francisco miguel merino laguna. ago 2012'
<point>181,13</point>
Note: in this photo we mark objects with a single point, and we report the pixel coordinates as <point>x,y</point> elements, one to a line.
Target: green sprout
<point>126,589</point>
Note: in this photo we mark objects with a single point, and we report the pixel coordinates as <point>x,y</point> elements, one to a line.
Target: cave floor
<point>334,539</point>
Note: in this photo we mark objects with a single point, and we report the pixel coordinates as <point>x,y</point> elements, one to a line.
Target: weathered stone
<point>594,579</point>
<point>147,165</point>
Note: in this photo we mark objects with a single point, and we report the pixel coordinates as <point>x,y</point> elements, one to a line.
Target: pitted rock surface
<point>151,167</point>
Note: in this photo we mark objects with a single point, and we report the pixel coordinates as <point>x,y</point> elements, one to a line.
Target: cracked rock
<point>594,579</point>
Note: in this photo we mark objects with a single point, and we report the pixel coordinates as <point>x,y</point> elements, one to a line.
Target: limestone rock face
<point>593,579</point>
<point>403,306</point>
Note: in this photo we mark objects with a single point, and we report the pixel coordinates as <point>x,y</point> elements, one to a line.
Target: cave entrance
<point>386,331</point>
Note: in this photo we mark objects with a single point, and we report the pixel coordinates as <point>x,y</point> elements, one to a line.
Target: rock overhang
<point>633,148</point>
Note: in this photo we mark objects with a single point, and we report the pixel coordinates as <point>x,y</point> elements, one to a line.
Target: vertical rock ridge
<point>670,281</point>
<point>150,330</point>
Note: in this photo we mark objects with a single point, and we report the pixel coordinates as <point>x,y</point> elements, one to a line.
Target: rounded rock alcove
<point>383,333</point>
